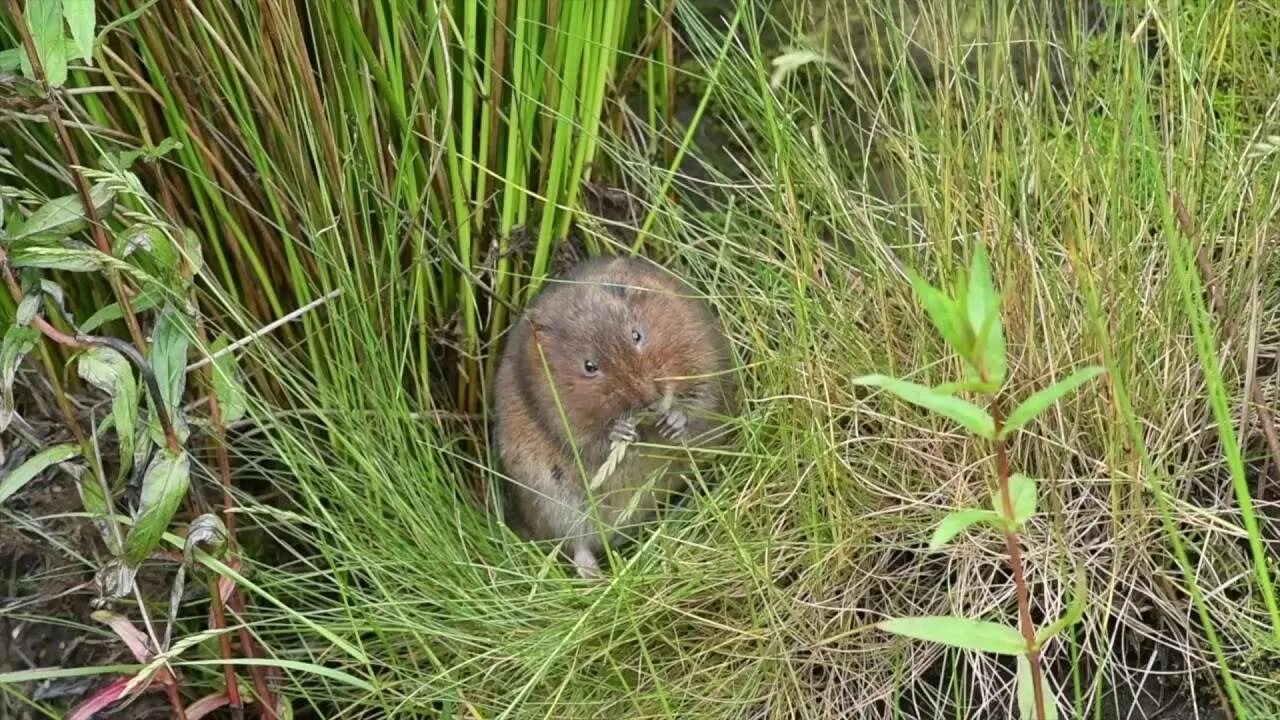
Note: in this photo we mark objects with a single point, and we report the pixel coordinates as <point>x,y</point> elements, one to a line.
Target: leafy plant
<point>970,322</point>
<point>151,267</point>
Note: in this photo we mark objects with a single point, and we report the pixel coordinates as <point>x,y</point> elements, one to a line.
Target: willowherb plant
<point>151,267</point>
<point>969,321</point>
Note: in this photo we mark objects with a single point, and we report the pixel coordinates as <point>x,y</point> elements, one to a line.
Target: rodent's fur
<point>550,450</point>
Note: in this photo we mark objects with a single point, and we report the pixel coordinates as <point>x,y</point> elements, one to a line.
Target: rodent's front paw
<point>623,430</point>
<point>673,424</point>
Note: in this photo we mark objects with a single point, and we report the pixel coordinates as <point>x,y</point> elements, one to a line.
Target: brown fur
<point>550,451</point>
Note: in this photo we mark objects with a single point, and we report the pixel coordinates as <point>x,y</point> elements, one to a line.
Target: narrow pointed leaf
<point>59,258</point>
<point>962,411</point>
<point>35,465</point>
<point>226,382</point>
<point>27,309</point>
<point>1044,399</point>
<point>968,385</point>
<point>990,348</point>
<point>145,300</point>
<point>959,632</point>
<point>110,372</point>
<point>133,638</point>
<point>957,521</point>
<point>100,700</point>
<point>945,314</point>
<point>169,357</point>
<point>80,18</point>
<point>44,19</point>
<point>65,215</point>
<point>17,342</point>
<point>207,704</point>
<point>983,312</point>
<point>163,488</point>
<point>1075,609</point>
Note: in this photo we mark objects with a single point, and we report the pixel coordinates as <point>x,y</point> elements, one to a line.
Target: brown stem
<point>224,647</point>
<point>222,459</point>
<point>73,161</point>
<point>1013,545</point>
<point>266,704</point>
<point>175,699</point>
<point>660,29</point>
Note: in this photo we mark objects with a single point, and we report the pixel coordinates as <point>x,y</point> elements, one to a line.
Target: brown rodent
<point>615,337</point>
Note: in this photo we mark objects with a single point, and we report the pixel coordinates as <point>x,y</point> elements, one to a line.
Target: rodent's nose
<point>652,393</point>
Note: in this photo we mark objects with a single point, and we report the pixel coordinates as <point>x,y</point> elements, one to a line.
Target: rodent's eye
<point>636,336</point>
<point>590,367</point>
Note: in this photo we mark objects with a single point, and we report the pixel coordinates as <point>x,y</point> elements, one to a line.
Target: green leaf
<point>11,59</point>
<point>1042,400</point>
<point>959,632</point>
<point>962,411</point>
<point>990,343</point>
<point>145,300</point>
<point>972,384</point>
<point>65,215</point>
<point>946,315</point>
<point>17,342</point>
<point>55,293</point>
<point>44,18</point>
<point>163,488</point>
<point>152,241</point>
<point>110,372</point>
<point>80,17</point>
<point>983,310</point>
<point>226,382</point>
<point>35,465</point>
<point>27,309</point>
<point>1022,494</point>
<point>957,521</point>
<point>1075,609</point>
<point>94,501</point>
<point>58,258</point>
<point>191,250</point>
<point>169,357</point>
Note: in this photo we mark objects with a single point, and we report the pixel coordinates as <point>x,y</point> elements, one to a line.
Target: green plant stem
<point>73,160</point>
<point>1012,543</point>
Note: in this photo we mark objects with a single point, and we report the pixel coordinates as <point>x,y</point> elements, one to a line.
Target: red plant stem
<point>175,699</point>
<point>224,647</point>
<point>266,702</point>
<point>1013,545</point>
<point>73,160</point>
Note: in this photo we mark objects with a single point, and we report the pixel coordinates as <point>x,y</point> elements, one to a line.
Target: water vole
<point>610,342</point>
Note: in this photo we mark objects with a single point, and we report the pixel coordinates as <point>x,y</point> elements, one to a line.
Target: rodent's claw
<point>673,424</point>
<point>623,430</point>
